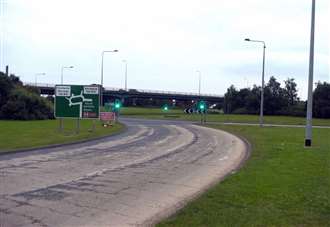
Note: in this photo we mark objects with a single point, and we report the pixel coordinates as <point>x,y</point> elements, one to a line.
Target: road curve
<point>134,178</point>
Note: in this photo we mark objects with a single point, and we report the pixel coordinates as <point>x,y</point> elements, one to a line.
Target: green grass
<point>157,113</point>
<point>282,184</point>
<point>31,134</point>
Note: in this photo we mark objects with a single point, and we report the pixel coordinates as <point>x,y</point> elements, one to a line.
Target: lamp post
<point>309,115</point>
<point>36,75</point>
<point>199,81</point>
<point>261,118</point>
<point>125,74</point>
<point>62,69</point>
<point>105,51</point>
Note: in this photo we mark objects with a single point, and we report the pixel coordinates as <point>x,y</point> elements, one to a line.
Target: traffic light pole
<point>203,117</point>
<point>202,110</point>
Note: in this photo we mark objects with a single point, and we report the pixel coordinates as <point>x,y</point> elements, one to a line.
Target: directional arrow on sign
<point>189,110</point>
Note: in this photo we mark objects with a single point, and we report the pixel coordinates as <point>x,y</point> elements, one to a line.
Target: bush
<point>23,105</point>
<point>18,102</point>
<point>240,111</point>
<point>298,110</point>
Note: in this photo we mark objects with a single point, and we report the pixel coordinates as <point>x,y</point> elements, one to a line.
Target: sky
<point>164,42</point>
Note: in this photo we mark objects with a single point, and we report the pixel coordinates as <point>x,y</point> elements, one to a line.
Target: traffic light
<point>165,107</point>
<point>117,104</point>
<point>202,106</point>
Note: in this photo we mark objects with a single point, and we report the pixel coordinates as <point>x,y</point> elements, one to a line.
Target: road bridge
<point>135,95</point>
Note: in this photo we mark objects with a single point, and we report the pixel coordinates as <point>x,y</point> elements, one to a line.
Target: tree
<point>277,100</point>
<point>6,85</point>
<point>230,99</point>
<point>253,100</point>
<point>291,92</point>
<point>321,100</point>
<point>273,97</point>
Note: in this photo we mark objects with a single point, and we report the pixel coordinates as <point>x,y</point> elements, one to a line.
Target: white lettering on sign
<point>91,90</point>
<point>63,91</point>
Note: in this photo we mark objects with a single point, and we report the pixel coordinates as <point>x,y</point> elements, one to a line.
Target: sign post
<point>77,101</point>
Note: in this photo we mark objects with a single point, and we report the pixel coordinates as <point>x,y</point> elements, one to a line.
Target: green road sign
<point>77,101</point>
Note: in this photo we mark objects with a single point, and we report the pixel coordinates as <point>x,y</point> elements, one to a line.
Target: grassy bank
<point>282,184</point>
<point>157,113</point>
<point>31,134</point>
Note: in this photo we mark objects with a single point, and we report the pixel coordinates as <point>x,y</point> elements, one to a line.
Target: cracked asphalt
<point>131,179</point>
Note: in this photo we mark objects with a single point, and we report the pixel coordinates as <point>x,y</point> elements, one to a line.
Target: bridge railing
<point>164,92</point>
<point>46,85</point>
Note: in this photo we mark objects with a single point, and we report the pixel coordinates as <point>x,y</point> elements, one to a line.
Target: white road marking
<point>224,158</point>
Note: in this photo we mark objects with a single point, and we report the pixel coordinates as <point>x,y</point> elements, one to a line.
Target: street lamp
<point>199,83</point>
<point>309,115</point>
<point>261,119</point>
<point>36,75</point>
<point>105,51</point>
<point>125,74</point>
<point>64,67</point>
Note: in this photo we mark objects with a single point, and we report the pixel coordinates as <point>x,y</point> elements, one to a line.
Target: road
<point>133,178</point>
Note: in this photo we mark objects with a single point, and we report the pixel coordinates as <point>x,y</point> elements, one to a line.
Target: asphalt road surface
<point>133,178</point>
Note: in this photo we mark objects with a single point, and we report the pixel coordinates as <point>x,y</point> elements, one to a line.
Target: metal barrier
<point>45,85</point>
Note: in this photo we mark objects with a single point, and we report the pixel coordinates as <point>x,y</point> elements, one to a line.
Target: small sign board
<point>77,101</point>
<point>107,116</point>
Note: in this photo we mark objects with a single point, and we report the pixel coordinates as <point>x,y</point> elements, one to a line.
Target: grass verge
<point>158,113</point>
<point>282,184</point>
<point>32,134</point>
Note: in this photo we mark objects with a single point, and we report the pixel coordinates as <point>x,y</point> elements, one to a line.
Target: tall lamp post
<point>261,118</point>
<point>36,77</point>
<point>103,52</point>
<point>125,74</point>
<point>309,115</point>
<point>62,69</point>
<point>199,81</point>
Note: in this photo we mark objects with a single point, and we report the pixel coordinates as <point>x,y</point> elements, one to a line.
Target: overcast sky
<point>164,42</point>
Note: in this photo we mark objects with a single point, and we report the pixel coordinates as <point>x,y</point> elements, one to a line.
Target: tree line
<point>278,100</point>
<point>19,102</point>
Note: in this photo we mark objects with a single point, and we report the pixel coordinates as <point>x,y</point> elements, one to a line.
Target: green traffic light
<point>202,105</point>
<point>117,104</point>
<point>165,108</point>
